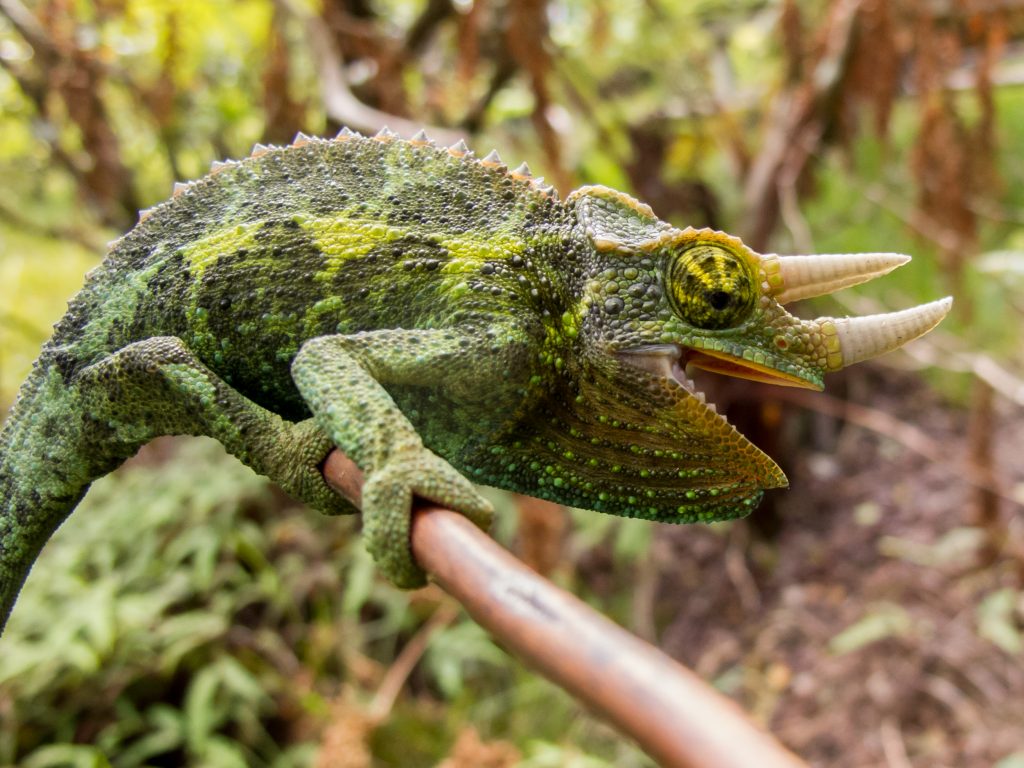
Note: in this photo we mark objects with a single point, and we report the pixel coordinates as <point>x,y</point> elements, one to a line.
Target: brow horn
<point>801,277</point>
<point>861,338</point>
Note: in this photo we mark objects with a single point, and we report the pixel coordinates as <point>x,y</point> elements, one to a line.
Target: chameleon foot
<point>299,462</point>
<point>387,508</point>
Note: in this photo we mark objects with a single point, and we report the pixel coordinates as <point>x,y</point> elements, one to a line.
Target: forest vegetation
<point>191,614</point>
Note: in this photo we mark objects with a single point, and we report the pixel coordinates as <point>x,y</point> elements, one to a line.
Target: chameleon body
<point>435,316</point>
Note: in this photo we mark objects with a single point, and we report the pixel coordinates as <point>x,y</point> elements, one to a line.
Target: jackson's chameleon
<point>437,317</point>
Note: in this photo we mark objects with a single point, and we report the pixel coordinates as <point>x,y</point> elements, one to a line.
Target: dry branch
<point>671,713</point>
<point>340,104</point>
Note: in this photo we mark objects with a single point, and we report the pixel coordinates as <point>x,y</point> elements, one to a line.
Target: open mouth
<point>666,361</point>
<point>671,361</point>
<point>742,369</point>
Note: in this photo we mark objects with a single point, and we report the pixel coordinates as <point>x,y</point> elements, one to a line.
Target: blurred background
<point>872,615</point>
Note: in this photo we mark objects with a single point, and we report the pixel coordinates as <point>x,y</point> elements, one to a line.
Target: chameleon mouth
<point>744,369</point>
<point>670,361</point>
<point>666,361</point>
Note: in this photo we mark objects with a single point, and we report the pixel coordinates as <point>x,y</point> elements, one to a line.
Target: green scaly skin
<point>434,316</point>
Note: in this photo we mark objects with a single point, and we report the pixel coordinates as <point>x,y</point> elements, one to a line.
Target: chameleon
<point>444,321</point>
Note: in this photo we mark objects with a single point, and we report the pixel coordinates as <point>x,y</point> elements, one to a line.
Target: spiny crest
<point>459,150</point>
<point>217,166</point>
<point>493,160</point>
<point>522,172</point>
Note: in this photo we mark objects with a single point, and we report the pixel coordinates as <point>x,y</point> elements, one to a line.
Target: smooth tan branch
<point>674,716</point>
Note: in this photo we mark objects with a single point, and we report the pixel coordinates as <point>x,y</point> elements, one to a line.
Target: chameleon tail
<point>44,472</point>
<point>63,433</point>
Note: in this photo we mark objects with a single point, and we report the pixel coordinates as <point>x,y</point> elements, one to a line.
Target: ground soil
<point>856,620</point>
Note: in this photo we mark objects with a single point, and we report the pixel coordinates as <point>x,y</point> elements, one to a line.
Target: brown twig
<point>412,652</point>
<point>340,104</point>
<point>796,127</point>
<point>671,713</point>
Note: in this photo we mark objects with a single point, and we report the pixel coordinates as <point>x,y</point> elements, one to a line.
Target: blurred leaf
<point>1016,760</point>
<point>633,540</point>
<point>180,635</point>
<point>998,620</point>
<point>956,547</point>
<point>540,754</point>
<point>454,653</point>
<point>165,734</point>
<point>360,581</point>
<point>220,753</point>
<point>883,620</point>
<point>66,756</point>
<point>1004,265</point>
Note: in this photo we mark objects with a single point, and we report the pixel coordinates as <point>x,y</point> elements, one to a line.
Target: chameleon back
<point>318,238</point>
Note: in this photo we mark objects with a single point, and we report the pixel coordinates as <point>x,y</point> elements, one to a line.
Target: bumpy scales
<point>437,318</point>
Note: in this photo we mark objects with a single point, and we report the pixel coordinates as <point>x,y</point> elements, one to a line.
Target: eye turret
<point>711,287</point>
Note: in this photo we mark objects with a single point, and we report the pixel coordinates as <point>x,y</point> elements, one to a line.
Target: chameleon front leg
<point>343,380</point>
<point>159,387</point>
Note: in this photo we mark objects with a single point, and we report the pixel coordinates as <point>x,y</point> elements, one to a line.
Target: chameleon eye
<point>711,287</point>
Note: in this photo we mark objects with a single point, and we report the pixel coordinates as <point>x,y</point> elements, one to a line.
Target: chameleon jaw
<point>670,361</point>
<point>666,361</point>
<point>727,365</point>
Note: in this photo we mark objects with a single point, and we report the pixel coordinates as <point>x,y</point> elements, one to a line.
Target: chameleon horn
<point>805,276</point>
<point>861,338</point>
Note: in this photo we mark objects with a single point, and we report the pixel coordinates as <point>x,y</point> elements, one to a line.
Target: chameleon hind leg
<point>343,378</point>
<point>159,387</point>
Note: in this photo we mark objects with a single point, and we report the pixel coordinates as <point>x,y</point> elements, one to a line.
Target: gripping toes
<point>387,508</point>
<point>303,452</point>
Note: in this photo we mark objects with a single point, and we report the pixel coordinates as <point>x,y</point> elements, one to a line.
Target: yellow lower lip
<point>744,369</point>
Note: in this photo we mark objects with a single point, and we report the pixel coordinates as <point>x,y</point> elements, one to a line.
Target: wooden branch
<point>677,718</point>
<point>27,25</point>
<point>795,128</point>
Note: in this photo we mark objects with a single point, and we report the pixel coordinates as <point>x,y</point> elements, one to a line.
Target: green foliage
<point>37,276</point>
<point>186,613</point>
<point>150,619</point>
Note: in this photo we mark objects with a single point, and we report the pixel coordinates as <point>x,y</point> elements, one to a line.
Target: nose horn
<point>802,277</point>
<point>861,338</point>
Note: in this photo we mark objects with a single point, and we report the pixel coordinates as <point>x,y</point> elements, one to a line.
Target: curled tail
<point>45,469</point>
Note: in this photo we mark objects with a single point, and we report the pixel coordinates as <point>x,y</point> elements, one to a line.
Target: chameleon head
<point>715,304</point>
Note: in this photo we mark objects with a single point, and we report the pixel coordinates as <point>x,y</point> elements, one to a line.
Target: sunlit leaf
<point>1000,622</point>
<point>882,621</point>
